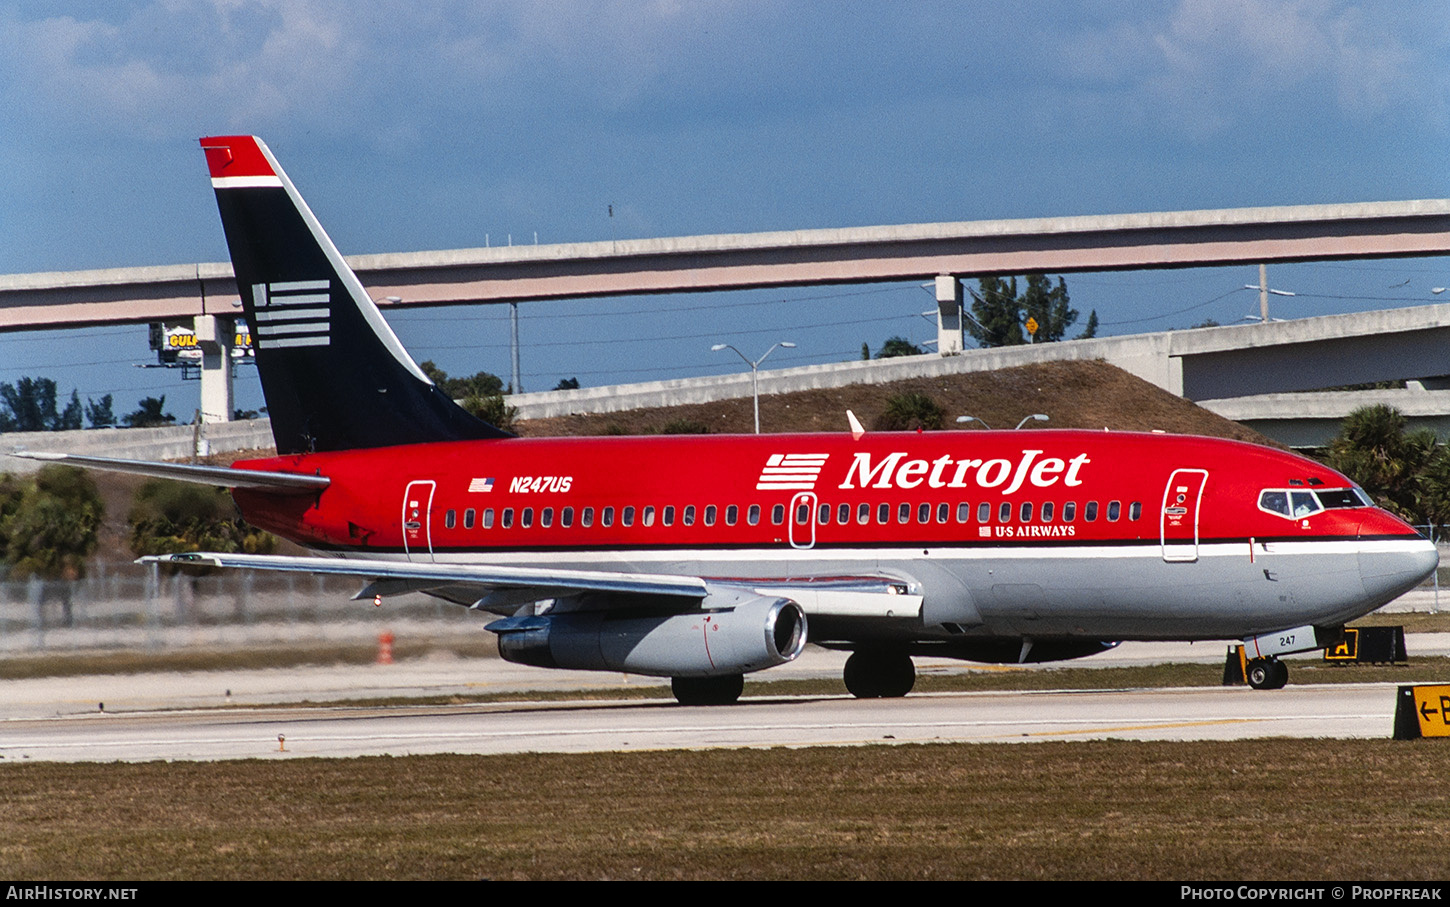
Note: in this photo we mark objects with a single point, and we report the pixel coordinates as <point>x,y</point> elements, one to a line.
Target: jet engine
<point>753,633</point>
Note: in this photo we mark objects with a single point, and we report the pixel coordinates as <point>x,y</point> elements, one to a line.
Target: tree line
<point>1001,314</point>
<point>33,404</point>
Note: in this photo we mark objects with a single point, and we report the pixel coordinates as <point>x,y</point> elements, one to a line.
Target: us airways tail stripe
<point>246,182</point>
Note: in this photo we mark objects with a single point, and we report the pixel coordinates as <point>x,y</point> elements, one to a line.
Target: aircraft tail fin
<point>333,372</point>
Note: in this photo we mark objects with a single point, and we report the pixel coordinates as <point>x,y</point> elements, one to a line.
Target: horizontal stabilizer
<point>221,476</point>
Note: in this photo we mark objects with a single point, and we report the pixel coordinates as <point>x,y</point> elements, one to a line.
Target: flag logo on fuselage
<point>791,471</point>
<point>292,313</point>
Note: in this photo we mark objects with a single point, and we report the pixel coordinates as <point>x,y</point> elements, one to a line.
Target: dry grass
<point>1276,809</point>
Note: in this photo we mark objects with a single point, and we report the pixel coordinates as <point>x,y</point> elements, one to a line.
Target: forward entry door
<point>1178,519</point>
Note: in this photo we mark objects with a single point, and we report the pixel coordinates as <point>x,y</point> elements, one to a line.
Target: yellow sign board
<point>1347,649</point>
<point>1425,709</point>
<point>1031,325</point>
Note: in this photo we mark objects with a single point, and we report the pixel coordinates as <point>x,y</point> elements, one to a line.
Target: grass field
<point>1275,809</point>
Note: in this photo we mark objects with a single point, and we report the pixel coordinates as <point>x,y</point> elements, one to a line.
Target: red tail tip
<point>235,155</point>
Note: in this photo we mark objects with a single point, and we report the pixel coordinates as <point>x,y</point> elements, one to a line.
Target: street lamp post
<point>754,371</point>
<point>963,420</point>
<point>1035,417</point>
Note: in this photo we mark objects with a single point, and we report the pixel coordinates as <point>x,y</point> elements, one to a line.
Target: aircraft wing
<point>221,476</point>
<point>501,589</point>
<point>489,588</point>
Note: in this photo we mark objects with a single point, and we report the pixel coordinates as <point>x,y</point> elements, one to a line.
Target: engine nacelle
<point>755,632</point>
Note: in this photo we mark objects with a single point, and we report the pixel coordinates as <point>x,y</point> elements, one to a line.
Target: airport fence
<point>142,607</point>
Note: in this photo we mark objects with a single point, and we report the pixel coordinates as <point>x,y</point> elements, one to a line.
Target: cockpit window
<point>1304,503</point>
<point>1295,503</point>
<point>1337,498</point>
<point>1274,502</point>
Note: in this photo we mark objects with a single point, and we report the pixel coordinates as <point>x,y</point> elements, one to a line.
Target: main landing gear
<point>721,690</point>
<point>879,675</point>
<point>1267,674</point>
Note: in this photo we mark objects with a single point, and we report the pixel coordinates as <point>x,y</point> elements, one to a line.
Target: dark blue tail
<point>334,374</point>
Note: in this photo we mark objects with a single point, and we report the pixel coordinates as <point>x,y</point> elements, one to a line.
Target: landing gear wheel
<point>1281,674</point>
<point>879,675</point>
<point>1268,674</point>
<point>721,690</point>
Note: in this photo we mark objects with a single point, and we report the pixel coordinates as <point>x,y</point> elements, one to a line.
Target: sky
<point>435,125</point>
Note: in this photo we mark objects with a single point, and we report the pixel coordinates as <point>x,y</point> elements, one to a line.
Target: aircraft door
<point>417,520</point>
<point>801,521</point>
<point>1178,519</point>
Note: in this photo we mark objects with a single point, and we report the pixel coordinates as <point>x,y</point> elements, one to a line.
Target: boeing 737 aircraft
<point>703,558</point>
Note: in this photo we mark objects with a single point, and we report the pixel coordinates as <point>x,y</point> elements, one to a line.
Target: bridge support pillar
<point>214,336</point>
<point>948,315</point>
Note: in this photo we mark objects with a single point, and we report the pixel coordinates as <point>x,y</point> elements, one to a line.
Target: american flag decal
<point>291,313</point>
<point>788,471</point>
<point>478,485</point>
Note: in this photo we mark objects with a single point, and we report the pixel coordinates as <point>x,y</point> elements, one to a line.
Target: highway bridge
<point>1232,362</point>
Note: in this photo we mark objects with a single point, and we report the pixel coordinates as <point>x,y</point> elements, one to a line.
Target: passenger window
<point>1047,512</point>
<point>943,512</point>
<point>687,518</point>
<point>752,516</point>
<point>647,516</point>
<point>546,518</point>
<point>566,517</point>
<point>802,514</point>
<point>586,517</point>
<point>883,513</point>
<point>1004,512</point>
<point>1090,512</point>
<point>1026,515</point>
<point>508,518</point>
<point>964,512</point>
<point>1069,511</point>
<point>732,514</point>
<point>668,515</point>
<point>626,516</point>
<point>843,514</point>
<point>606,517</point>
<point>450,518</point>
<point>863,514</point>
<point>1115,510</point>
<point>923,513</point>
<point>984,512</point>
<point>1135,510</point>
<point>468,516</point>
<point>527,515</point>
<point>488,518</point>
<point>777,514</point>
<point>903,513</point>
<point>823,516</point>
<point>710,512</point>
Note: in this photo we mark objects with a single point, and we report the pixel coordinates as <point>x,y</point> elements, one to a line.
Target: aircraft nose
<point>1389,569</point>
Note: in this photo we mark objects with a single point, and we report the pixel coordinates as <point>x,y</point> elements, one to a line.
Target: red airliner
<point>703,558</point>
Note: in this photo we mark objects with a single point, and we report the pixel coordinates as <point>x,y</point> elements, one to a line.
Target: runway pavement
<point>238,713</point>
<point>1339,710</point>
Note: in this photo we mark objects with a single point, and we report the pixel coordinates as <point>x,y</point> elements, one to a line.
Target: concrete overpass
<point>945,252</point>
<point>1245,373</point>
